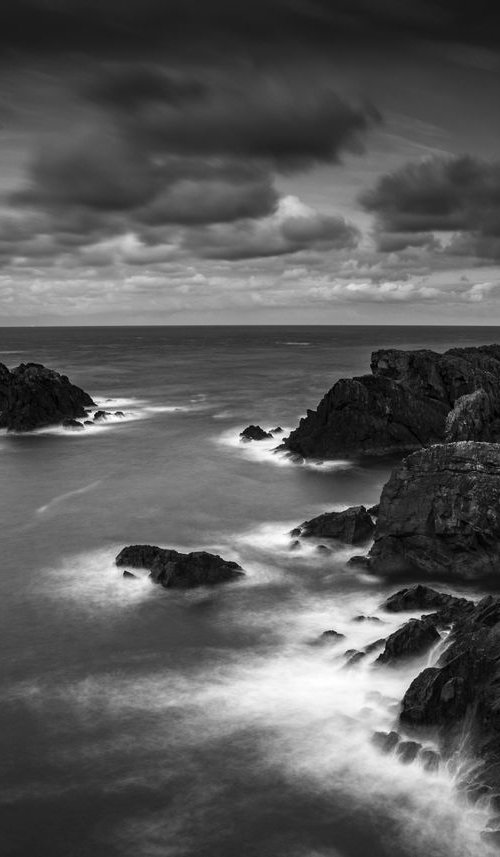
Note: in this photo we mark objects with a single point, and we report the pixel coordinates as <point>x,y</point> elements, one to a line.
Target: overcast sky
<point>269,161</point>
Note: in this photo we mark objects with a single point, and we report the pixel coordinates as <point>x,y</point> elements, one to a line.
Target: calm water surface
<point>137,721</point>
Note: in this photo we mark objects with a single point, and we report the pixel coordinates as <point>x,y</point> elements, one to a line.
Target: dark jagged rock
<point>331,637</point>
<point>32,396</point>
<point>385,741</point>
<point>74,425</point>
<point>374,510</point>
<point>366,619</point>
<point>172,569</point>
<point>472,419</point>
<point>129,575</point>
<point>458,700</point>
<point>404,405</point>
<point>440,515</point>
<point>353,526</point>
<point>419,597</point>
<point>413,639</point>
<point>101,415</point>
<point>254,433</point>
<point>277,430</point>
<point>407,751</point>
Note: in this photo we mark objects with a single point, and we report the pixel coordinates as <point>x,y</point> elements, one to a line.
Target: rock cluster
<point>172,569</point>
<point>32,396</point>
<point>405,404</point>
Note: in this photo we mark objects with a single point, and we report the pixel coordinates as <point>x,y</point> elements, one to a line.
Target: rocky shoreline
<point>438,520</point>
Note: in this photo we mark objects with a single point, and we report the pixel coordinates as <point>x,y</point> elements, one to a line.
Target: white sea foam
<point>265,451</point>
<point>56,500</point>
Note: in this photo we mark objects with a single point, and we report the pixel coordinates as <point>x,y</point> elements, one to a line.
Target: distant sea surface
<point>141,722</point>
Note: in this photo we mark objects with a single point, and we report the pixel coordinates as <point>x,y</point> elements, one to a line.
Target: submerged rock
<point>32,396</point>
<point>352,526</point>
<point>331,637</point>
<point>440,515</point>
<point>74,425</point>
<point>385,741</point>
<point>172,569</point>
<point>128,575</point>
<point>414,638</point>
<point>255,433</point>
<point>404,405</point>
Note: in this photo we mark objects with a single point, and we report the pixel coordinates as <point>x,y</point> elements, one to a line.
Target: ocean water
<point>137,722</point>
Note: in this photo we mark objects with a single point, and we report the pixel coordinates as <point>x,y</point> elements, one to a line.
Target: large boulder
<point>352,526</point>
<point>403,405</point>
<point>440,515</point>
<point>32,396</point>
<point>173,569</point>
<point>458,700</point>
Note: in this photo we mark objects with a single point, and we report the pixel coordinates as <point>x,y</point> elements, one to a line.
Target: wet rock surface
<point>413,639</point>
<point>440,515</point>
<point>172,569</point>
<point>352,526</point>
<point>32,396</point>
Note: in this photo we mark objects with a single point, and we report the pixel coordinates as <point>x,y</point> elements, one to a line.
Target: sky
<point>264,162</point>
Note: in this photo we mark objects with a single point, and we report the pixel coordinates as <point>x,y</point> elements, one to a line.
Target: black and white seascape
<point>249,429</point>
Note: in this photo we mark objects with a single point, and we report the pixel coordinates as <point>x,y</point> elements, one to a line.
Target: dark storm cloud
<point>459,194</point>
<point>98,26</point>
<point>159,147</point>
<point>285,234</point>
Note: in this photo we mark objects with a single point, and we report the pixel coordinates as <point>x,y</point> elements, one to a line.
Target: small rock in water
<point>295,545</point>
<point>323,549</point>
<point>385,741</point>
<point>407,751</point>
<point>359,561</point>
<point>430,760</point>
<point>119,414</point>
<point>101,415</point>
<point>129,574</point>
<point>277,430</point>
<point>74,425</point>
<point>88,423</point>
<point>331,636</point>
<point>366,619</point>
<point>254,433</point>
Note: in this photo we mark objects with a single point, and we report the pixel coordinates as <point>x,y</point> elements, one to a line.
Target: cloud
<point>444,195</point>
<point>97,26</point>
<point>293,228</point>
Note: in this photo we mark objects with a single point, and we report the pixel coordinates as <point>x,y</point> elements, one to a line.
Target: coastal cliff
<point>32,396</point>
<point>406,403</point>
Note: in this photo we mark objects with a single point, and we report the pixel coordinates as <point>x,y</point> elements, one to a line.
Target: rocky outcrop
<point>413,639</point>
<point>404,405</point>
<point>172,569</point>
<point>352,526</point>
<point>255,433</point>
<point>444,607</point>
<point>458,700</point>
<point>440,515</point>
<point>32,396</point>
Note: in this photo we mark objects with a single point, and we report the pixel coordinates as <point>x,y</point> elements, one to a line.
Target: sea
<point>142,722</point>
